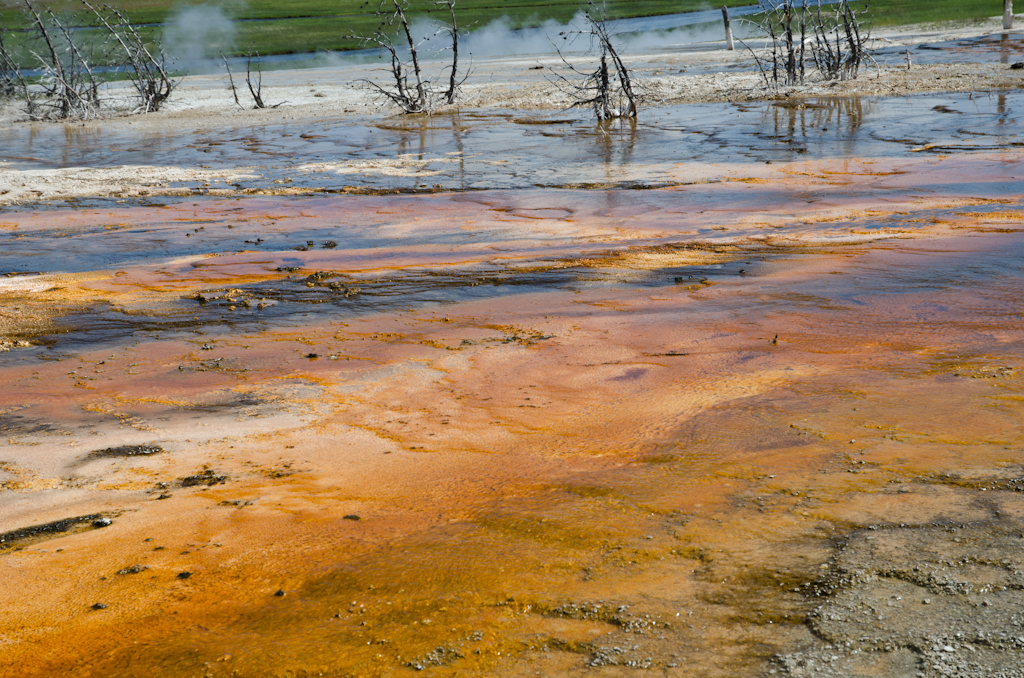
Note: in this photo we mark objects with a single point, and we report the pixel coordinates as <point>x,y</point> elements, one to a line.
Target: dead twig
<point>12,79</point>
<point>840,45</point>
<point>410,97</point>
<point>253,82</point>
<point>231,80</point>
<point>255,89</point>
<point>452,29</point>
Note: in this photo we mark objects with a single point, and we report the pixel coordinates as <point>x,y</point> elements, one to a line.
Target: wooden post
<point>1007,14</point>
<point>728,28</point>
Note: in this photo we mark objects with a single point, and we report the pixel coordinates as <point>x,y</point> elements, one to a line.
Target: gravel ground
<point>941,599</point>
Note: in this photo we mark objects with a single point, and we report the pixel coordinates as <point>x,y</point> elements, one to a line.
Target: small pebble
<point>279,593</point>
<point>352,516</point>
<point>102,522</point>
<point>927,601</point>
<point>99,606</point>
<point>184,575</point>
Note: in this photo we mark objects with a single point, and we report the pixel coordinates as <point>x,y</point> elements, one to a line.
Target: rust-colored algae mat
<point>687,431</point>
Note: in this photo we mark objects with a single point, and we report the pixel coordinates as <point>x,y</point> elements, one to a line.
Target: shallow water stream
<point>497,150</point>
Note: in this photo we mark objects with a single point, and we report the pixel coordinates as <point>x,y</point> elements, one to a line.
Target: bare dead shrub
<point>840,38</point>
<point>409,88</point>
<point>70,88</point>
<point>253,79</point>
<point>610,89</point>
<point>834,41</point>
<point>452,29</point>
<point>68,61</point>
<point>144,63</point>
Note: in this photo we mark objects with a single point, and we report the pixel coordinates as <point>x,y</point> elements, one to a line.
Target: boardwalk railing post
<point>728,28</point>
<point>1007,14</point>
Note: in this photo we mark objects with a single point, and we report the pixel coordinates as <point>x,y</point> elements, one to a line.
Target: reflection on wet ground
<point>745,423</point>
<point>475,151</point>
<point>1007,46</point>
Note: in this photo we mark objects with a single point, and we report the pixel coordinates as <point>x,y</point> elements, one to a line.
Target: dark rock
<point>55,527</point>
<point>906,601</point>
<point>184,575</point>
<point>102,522</point>
<point>1017,66</point>
<point>208,477</point>
<point>133,569</point>
<point>98,606</point>
<point>441,656</point>
<point>352,516</point>
<point>279,593</point>
<point>127,451</point>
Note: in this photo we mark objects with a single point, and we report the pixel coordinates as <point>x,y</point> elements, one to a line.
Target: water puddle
<point>1006,48</point>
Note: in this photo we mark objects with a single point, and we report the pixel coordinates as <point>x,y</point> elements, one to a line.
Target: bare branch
<point>231,80</point>
<point>454,82</point>
<point>255,89</point>
<point>12,79</point>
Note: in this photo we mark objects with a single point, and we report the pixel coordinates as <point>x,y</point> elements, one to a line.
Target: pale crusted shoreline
<point>506,84</point>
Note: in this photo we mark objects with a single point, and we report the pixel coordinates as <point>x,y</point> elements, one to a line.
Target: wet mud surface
<point>503,150</point>
<point>743,424</point>
<point>1009,46</point>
